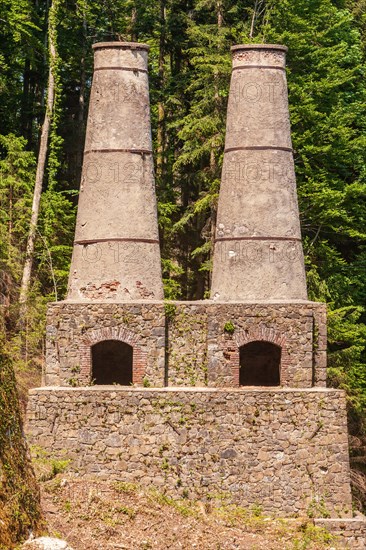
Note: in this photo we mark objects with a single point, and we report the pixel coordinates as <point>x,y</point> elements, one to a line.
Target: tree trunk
<point>213,162</point>
<point>258,10</point>
<point>75,173</point>
<point>160,149</point>
<point>82,76</point>
<point>25,115</point>
<point>41,163</point>
<point>133,24</point>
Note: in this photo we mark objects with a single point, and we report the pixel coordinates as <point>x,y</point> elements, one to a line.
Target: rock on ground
<point>46,543</point>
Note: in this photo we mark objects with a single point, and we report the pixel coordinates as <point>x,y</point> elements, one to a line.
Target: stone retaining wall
<point>285,450</point>
<point>351,533</point>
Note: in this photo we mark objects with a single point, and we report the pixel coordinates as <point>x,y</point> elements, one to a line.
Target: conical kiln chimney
<point>116,253</point>
<point>258,252</point>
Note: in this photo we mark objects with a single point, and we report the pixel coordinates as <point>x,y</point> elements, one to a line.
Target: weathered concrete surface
<point>258,252</point>
<point>116,253</point>
<point>283,449</point>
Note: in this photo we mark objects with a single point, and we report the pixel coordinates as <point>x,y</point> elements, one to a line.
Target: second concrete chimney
<point>258,252</point>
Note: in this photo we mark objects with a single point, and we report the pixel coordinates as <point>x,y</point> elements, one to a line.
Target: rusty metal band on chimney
<point>117,239</point>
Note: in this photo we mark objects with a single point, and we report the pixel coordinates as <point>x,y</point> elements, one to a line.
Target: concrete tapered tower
<point>258,252</point>
<point>116,253</point>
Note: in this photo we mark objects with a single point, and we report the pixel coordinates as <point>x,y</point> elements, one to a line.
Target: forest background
<point>45,77</point>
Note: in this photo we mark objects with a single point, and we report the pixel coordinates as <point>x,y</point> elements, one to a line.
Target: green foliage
<point>183,506</point>
<point>229,327</point>
<point>130,512</point>
<point>20,45</point>
<point>53,250</point>
<point>317,509</point>
<point>347,341</point>
<point>17,170</point>
<point>170,310</point>
<point>19,496</point>
<point>172,289</point>
<point>125,487</point>
<point>313,534</point>
<point>46,466</point>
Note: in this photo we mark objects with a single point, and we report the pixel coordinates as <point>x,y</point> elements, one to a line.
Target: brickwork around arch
<point>73,328</point>
<point>261,334</point>
<point>120,333</point>
<point>298,328</point>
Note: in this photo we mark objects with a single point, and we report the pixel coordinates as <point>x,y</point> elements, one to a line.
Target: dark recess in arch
<point>260,364</point>
<point>112,363</point>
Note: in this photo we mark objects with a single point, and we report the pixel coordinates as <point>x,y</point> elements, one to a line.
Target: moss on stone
<point>20,510</point>
<point>229,327</point>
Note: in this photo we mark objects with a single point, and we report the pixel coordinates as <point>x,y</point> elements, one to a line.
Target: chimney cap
<point>259,47</point>
<point>122,45</point>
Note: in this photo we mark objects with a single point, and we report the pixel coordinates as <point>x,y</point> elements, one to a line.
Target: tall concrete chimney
<point>258,252</point>
<point>116,253</point>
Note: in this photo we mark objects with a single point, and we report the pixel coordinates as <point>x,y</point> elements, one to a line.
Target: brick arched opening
<point>258,335</point>
<point>115,334</point>
<point>112,363</point>
<point>259,364</point>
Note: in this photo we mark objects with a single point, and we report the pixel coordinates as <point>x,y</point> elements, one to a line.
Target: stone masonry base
<point>351,533</point>
<point>283,449</point>
<point>186,343</point>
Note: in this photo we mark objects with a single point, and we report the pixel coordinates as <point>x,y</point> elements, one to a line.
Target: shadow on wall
<point>112,363</point>
<point>260,364</point>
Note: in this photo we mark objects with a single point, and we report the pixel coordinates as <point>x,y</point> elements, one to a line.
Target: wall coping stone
<point>181,389</point>
<point>357,519</point>
<point>94,301</point>
<point>192,302</point>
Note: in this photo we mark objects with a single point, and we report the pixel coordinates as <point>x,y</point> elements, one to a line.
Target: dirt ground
<point>101,515</point>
